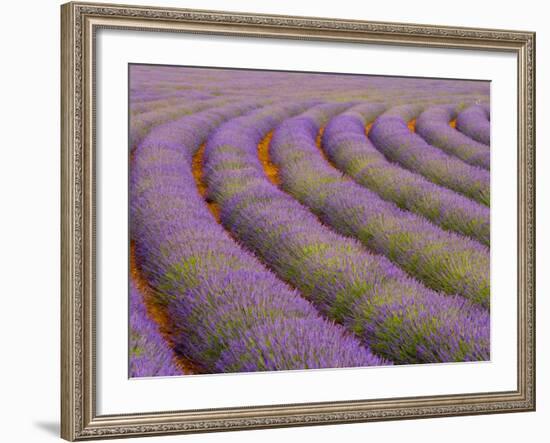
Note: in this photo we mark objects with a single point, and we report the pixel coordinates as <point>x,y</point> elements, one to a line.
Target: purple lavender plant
<point>393,314</point>
<point>215,293</point>
<point>273,286</point>
<point>406,112</point>
<point>345,143</point>
<point>393,138</point>
<point>165,102</point>
<point>442,260</point>
<point>474,122</point>
<point>142,123</point>
<point>150,355</point>
<point>433,126</point>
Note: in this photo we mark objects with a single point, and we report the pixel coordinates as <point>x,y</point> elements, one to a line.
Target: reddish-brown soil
<point>367,128</point>
<point>318,142</point>
<point>198,174</point>
<point>270,169</point>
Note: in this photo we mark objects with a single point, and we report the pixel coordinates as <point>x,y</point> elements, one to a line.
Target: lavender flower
<point>393,138</point>
<point>474,122</point>
<point>215,293</point>
<point>260,255</point>
<point>444,261</point>
<point>345,143</point>
<point>150,355</point>
<point>393,314</point>
<point>433,126</point>
<point>142,123</point>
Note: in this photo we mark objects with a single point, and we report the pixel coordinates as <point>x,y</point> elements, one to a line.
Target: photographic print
<point>291,220</point>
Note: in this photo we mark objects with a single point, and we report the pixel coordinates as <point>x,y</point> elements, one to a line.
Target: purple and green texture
<point>227,312</point>
<point>151,116</point>
<point>348,148</point>
<point>433,126</point>
<point>474,122</point>
<point>150,355</point>
<point>291,221</point>
<point>442,260</point>
<point>391,136</point>
<point>395,315</point>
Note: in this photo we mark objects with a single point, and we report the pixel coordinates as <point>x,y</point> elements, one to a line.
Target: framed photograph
<point>282,221</point>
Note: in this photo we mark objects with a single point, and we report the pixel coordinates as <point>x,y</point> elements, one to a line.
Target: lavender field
<point>283,221</point>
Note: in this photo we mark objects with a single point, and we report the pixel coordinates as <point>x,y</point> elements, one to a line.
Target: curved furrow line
<point>197,168</point>
<point>396,316</point>
<point>474,122</point>
<point>391,136</point>
<point>350,150</point>
<point>442,260</point>
<point>271,171</point>
<point>433,126</point>
<point>228,312</point>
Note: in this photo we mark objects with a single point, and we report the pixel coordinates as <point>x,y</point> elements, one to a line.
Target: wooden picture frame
<point>80,22</point>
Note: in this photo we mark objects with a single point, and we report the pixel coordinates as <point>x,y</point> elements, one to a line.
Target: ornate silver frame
<point>80,21</point>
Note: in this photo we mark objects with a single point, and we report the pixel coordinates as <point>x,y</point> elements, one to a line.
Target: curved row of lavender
<point>150,355</point>
<point>227,312</point>
<point>391,135</point>
<point>474,122</point>
<point>442,260</point>
<point>346,145</point>
<point>207,283</point>
<point>395,315</point>
<point>407,112</point>
<point>152,116</point>
<point>433,126</point>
